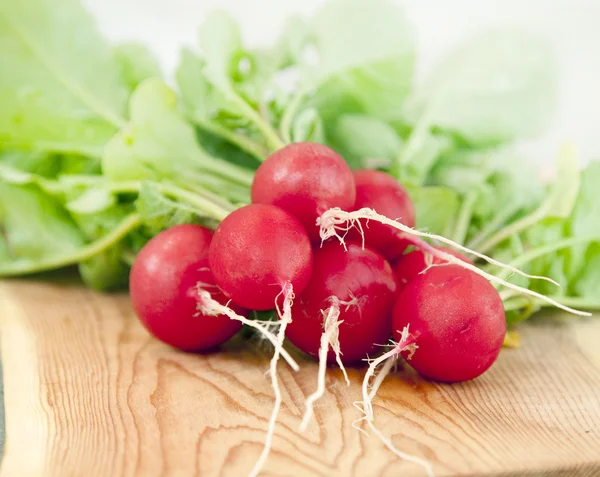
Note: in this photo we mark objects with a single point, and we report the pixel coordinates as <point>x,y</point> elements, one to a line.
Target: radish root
<point>344,224</point>
<point>406,343</point>
<point>329,337</point>
<point>389,360</point>
<point>207,305</point>
<point>331,321</point>
<point>285,316</point>
<point>335,220</point>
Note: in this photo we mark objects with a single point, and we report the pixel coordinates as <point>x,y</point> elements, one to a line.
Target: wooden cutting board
<point>89,393</point>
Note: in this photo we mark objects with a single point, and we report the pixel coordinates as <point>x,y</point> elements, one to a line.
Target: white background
<point>573,27</point>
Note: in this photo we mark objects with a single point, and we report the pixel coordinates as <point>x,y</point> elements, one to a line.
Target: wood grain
<point>89,393</point>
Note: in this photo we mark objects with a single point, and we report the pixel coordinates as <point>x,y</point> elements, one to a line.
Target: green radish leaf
<point>44,165</point>
<point>424,158</point>
<point>208,108</point>
<point>39,233</point>
<point>158,143</point>
<point>291,45</point>
<point>308,126</point>
<point>159,212</point>
<point>563,194</point>
<point>73,164</point>
<point>98,224</point>
<point>558,205</point>
<point>436,207</point>
<point>584,221</point>
<point>137,63</point>
<point>216,145</point>
<point>587,283</point>
<point>48,166</point>
<point>229,67</point>
<point>255,75</point>
<point>106,271</point>
<point>233,86</point>
<point>221,47</point>
<point>35,225</point>
<point>74,196</point>
<point>501,178</point>
<point>196,92</point>
<point>10,175</point>
<point>555,270</point>
<point>463,169</point>
<point>495,87</point>
<point>4,251</point>
<point>365,141</point>
<point>91,201</point>
<point>60,86</point>
<point>366,58</point>
<point>240,76</point>
<point>512,183</point>
<point>572,267</point>
<point>205,105</point>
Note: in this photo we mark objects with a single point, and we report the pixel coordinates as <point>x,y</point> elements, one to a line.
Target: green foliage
<point>98,154</point>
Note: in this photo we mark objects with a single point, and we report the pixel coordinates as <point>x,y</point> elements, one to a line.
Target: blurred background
<point>570,26</point>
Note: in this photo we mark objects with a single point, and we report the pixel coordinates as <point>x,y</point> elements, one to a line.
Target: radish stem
<point>289,115</point>
<point>514,228</point>
<point>584,303</point>
<point>263,126</point>
<point>466,212</point>
<point>492,226</point>
<point>241,141</point>
<point>550,248</point>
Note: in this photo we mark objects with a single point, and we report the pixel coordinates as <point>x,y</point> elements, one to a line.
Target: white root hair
<point>389,360</point>
<point>406,343</point>
<point>336,220</point>
<point>207,305</point>
<point>345,224</point>
<point>329,338</point>
<point>334,323</point>
<point>285,316</point>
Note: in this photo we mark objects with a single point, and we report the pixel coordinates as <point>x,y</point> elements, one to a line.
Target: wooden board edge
<point>26,424</point>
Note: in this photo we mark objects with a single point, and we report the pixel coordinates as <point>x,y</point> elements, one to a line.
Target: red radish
<point>383,193</point>
<point>413,263</point>
<point>258,254</point>
<point>256,251</point>
<point>362,283</point>
<point>457,320</point>
<point>306,179</point>
<point>162,287</point>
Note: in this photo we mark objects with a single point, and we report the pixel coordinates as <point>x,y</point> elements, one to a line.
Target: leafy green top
<point>98,153</point>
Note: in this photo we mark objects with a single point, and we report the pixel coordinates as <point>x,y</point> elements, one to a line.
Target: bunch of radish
<point>335,253</point>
